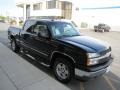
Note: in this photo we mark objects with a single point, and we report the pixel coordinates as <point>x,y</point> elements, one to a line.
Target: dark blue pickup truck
<point>59,45</point>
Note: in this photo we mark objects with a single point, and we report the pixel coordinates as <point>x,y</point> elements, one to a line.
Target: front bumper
<point>85,74</point>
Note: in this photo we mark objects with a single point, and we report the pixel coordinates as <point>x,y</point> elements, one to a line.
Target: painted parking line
<point>82,86</point>
<point>115,80</point>
<point>109,83</point>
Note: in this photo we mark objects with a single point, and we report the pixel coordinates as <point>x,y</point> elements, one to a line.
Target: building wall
<point>93,17</point>
<point>43,11</point>
<point>48,12</point>
<point>63,8</point>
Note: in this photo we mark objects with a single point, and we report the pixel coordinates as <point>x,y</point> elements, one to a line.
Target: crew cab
<point>58,45</point>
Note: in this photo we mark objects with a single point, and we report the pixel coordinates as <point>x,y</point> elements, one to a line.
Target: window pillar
<point>24,12</point>
<point>31,9</point>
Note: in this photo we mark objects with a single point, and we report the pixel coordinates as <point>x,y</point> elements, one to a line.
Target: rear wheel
<point>63,70</point>
<point>14,46</point>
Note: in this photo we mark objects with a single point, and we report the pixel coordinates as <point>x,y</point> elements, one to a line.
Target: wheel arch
<point>12,37</point>
<point>57,54</point>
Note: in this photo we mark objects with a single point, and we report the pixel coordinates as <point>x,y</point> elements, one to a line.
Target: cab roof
<point>50,20</point>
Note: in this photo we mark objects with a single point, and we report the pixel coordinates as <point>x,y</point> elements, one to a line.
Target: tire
<point>14,46</point>
<point>63,70</point>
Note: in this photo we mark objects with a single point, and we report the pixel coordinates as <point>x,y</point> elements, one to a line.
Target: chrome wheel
<point>62,71</point>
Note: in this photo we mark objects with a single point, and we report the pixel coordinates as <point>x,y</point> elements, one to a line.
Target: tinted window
<point>28,24</point>
<point>41,29</point>
<point>63,29</point>
<point>51,4</point>
<point>30,29</point>
<point>37,6</point>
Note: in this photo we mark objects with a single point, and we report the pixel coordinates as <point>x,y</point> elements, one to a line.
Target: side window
<point>28,25</point>
<point>30,29</point>
<point>41,29</point>
<point>56,30</point>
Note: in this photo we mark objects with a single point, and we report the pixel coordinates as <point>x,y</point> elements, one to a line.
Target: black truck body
<point>57,44</point>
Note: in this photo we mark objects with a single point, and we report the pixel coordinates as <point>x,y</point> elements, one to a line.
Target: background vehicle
<point>57,44</point>
<point>2,21</point>
<point>102,28</point>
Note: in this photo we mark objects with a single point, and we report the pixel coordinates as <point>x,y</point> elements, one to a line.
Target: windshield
<point>60,29</point>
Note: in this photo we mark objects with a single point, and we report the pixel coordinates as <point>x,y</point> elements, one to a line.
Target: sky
<point>8,8</point>
<point>6,5</point>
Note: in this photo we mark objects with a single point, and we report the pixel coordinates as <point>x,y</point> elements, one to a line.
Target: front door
<point>41,42</point>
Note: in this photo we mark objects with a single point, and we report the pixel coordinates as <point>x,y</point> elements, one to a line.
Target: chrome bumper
<point>81,73</point>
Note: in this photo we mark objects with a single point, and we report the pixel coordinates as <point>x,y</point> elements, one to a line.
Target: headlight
<point>91,62</point>
<point>93,55</point>
<point>92,59</point>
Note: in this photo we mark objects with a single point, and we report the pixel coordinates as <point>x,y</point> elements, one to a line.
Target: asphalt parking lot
<point>109,81</point>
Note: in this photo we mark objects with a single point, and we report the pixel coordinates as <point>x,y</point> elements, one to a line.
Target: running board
<point>30,56</point>
<point>44,64</point>
<point>39,62</point>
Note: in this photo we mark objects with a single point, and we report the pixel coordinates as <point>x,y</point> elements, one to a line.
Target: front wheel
<point>14,46</point>
<point>63,70</point>
<point>95,30</point>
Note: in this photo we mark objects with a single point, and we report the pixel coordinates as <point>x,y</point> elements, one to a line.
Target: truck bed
<point>13,31</point>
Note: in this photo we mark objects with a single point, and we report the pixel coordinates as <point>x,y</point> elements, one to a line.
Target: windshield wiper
<point>75,35</point>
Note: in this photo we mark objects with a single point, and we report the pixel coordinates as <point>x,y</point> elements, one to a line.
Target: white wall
<point>96,16</point>
<point>48,12</point>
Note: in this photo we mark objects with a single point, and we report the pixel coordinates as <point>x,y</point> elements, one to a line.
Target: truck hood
<point>86,43</point>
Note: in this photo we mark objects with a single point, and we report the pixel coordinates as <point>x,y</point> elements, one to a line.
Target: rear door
<point>26,34</point>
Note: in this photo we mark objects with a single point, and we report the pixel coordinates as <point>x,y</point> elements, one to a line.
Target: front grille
<point>107,54</point>
<point>106,59</point>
